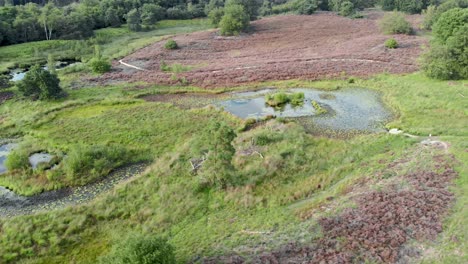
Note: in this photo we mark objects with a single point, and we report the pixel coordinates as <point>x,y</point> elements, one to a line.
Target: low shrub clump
<point>395,23</point>
<point>18,159</point>
<point>40,84</point>
<point>99,65</point>
<point>140,249</point>
<point>297,98</point>
<point>318,108</point>
<point>391,43</point>
<point>276,99</point>
<point>171,45</point>
<point>279,99</point>
<point>87,163</point>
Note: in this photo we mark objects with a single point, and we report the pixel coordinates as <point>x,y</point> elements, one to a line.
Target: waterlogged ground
<point>12,204</point>
<point>349,109</point>
<point>4,151</point>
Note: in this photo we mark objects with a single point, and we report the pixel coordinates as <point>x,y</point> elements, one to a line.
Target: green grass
<point>274,194</point>
<point>115,43</point>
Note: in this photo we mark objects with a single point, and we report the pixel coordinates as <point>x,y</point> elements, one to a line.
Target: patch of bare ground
<point>313,47</point>
<point>6,96</point>
<point>407,207</point>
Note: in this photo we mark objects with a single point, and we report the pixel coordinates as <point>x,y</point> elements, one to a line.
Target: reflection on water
<point>348,109</point>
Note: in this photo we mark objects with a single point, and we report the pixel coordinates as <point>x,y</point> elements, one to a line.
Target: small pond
<point>4,151</point>
<point>351,109</point>
<point>19,74</point>
<point>38,158</point>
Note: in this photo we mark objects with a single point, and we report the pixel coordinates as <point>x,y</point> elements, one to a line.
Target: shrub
<point>395,23</point>
<point>18,159</point>
<point>99,65</point>
<point>391,43</point>
<point>215,16</point>
<point>448,23</point>
<point>217,170</point>
<point>40,83</point>
<point>276,99</point>
<point>140,250</point>
<point>266,8</point>
<point>134,20</point>
<point>297,98</point>
<point>347,8</point>
<point>87,163</point>
<point>234,21</point>
<point>171,45</point>
<point>448,60</point>
<point>305,7</point>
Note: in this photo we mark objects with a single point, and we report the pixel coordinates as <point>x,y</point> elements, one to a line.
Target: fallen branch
<point>131,66</point>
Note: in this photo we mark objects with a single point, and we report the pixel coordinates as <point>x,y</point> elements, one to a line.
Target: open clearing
<point>314,47</point>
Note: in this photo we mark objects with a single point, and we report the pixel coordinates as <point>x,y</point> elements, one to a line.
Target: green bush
<point>235,20</point>
<point>276,99</point>
<point>305,7</point>
<point>391,43</point>
<point>99,65</point>
<point>40,83</point>
<point>395,23</point>
<point>347,9</point>
<point>215,16</point>
<point>297,98</point>
<point>448,23</point>
<point>448,60</point>
<point>88,163</point>
<point>140,250</point>
<point>171,45</point>
<point>18,159</point>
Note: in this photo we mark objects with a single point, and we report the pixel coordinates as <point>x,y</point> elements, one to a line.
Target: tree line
<point>24,21</point>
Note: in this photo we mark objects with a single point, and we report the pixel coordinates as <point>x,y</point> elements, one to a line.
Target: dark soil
<point>6,96</point>
<point>378,228</point>
<point>312,47</point>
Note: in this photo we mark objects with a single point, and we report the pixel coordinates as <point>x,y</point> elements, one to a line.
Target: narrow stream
<point>12,204</point>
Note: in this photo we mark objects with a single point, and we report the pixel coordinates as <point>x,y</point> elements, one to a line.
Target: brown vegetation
<point>278,48</point>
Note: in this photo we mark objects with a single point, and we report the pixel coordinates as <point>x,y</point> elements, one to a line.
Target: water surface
<point>351,109</point>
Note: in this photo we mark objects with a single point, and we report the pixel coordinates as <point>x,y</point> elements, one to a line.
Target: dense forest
<point>24,21</point>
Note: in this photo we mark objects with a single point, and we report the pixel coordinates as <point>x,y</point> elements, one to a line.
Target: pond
<point>351,109</point>
<point>19,74</point>
<point>4,151</point>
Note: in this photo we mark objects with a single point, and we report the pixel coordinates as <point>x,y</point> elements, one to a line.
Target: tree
<point>133,20</point>
<point>151,13</point>
<point>50,19</point>
<point>138,249</point>
<point>448,56</point>
<point>266,8</point>
<point>347,8</point>
<point>234,21</point>
<point>217,169</point>
<point>112,18</point>
<point>306,7</point>
<point>250,6</point>
<point>215,16</point>
<point>448,23</point>
<point>40,83</point>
